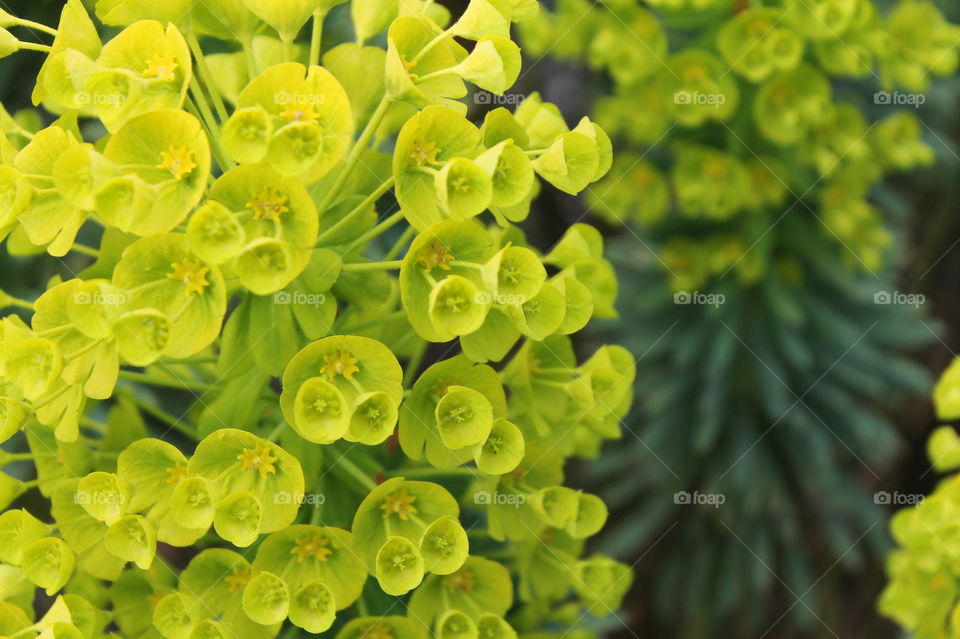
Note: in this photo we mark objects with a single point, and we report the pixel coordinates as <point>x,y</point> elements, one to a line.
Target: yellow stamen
<point>268,203</point>
<point>161,67</point>
<point>260,459</point>
<point>178,160</point>
<point>312,546</point>
<point>191,273</point>
<point>399,503</point>
<point>340,363</point>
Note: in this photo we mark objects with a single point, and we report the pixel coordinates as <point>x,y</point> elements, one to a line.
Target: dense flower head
<point>229,180</point>
<point>762,93</point>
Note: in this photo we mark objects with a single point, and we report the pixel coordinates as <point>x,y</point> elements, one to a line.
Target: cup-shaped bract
<point>48,562</point>
<point>443,250</point>
<point>399,508</point>
<point>601,583</point>
<point>313,607</point>
<point>514,275</point>
<point>457,306</point>
<point>19,529</point>
<point>463,188</point>
<point>170,617</point>
<point>309,124</point>
<point>278,225</point>
<point>454,624</point>
<point>286,17</point>
<point>133,538</point>
<point>386,626</point>
<point>427,141</point>
<point>257,471</point>
<point>170,279</point>
<point>266,599</point>
<point>480,586</point>
<point>194,501</point>
<point>305,555</point>
<point>168,150</point>
<point>510,172</point>
<point>570,162</point>
<point>502,450</point>
<point>214,234</point>
<point>399,566</point>
<point>105,496</point>
<point>590,517</point>
<point>419,430</point>
<point>419,62</point>
<point>374,418</point>
<point>464,417</point>
<point>33,365</point>
<point>557,505</point>
<point>494,627</point>
<point>493,65</point>
<point>239,518</point>
<point>444,546</point>
<point>330,378</point>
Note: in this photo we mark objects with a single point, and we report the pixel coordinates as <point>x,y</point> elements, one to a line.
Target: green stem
<point>31,483</point>
<point>287,48</point>
<point>413,365</point>
<point>248,55</point>
<point>205,74</point>
<point>12,457</point>
<point>85,250</point>
<point>383,319</point>
<point>427,471</point>
<point>13,301</point>
<point>372,266</point>
<point>172,421</point>
<point>354,471</point>
<point>276,432</point>
<point>401,242</point>
<point>36,25</point>
<point>377,230</point>
<point>316,35</point>
<point>155,380</point>
<point>32,46</point>
<point>361,208</point>
<point>196,359</point>
<point>353,156</point>
<point>218,154</point>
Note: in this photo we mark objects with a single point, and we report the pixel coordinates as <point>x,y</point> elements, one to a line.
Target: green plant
<point>225,207</point>
<point>922,591</point>
<point>749,160</point>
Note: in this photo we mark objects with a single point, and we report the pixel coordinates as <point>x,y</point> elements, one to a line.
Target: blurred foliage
<point>760,241</point>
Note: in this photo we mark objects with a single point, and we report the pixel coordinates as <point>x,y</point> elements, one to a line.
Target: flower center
<point>340,363</point>
<point>161,67</point>
<point>437,255</point>
<point>312,546</point>
<point>176,473</point>
<point>461,581</point>
<point>177,160</point>
<point>239,579</point>
<point>268,203</point>
<point>300,111</point>
<point>424,152</point>
<point>400,504</point>
<point>192,274</point>
<point>258,458</point>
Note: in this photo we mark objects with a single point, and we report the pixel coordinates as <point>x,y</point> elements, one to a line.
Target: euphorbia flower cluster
<point>320,479</point>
